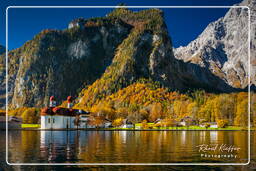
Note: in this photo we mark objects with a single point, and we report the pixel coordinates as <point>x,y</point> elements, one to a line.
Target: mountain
<point>147,53</point>
<point>60,62</point>
<point>96,57</point>
<point>2,74</point>
<point>223,47</point>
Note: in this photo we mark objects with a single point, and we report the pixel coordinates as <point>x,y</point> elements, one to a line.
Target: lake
<point>127,146</point>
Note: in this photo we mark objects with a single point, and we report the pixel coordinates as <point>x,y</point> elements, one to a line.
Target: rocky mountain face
<point>223,47</point>
<point>2,75</point>
<point>147,53</point>
<point>96,57</point>
<point>60,62</point>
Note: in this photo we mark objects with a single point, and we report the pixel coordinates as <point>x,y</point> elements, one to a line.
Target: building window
<point>49,120</point>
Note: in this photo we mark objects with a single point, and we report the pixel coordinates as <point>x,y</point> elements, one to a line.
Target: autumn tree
<point>241,118</point>
<point>222,123</point>
<point>180,108</point>
<point>144,124</point>
<point>96,120</point>
<point>156,111</point>
<point>144,113</point>
<point>117,122</point>
<point>253,109</point>
<point>30,116</point>
<point>192,110</point>
<point>122,112</point>
<point>105,108</point>
<point>206,111</point>
<point>226,107</point>
<point>134,117</point>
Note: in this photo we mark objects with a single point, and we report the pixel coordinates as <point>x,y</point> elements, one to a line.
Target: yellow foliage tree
<point>241,118</point>
<point>192,110</point>
<point>222,123</point>
<point>144,124</point>
<point>156,111</point>
<point>30,116</point>
<point>117,122</point>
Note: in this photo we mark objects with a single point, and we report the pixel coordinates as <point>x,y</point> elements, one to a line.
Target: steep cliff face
<point>223,47</point>
<point>60,62</point>
<point>147,53</point>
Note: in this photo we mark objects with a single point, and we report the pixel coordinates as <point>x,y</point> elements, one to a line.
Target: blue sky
<point>184,25</point>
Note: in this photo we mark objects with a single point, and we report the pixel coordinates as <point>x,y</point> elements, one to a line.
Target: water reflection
<point>58,146</point>
<point>122,146</point>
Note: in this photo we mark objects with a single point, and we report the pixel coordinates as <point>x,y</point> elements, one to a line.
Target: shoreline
<point>106,129</point>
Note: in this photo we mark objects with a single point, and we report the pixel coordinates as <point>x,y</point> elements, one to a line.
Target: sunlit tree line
<point>149,101</point>
<point>141,101</point>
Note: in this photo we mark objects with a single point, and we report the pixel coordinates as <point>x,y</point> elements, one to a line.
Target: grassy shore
<point>138,127</point>
<point>30,125</point>
<point>182,128</point>
<point>192,127</point>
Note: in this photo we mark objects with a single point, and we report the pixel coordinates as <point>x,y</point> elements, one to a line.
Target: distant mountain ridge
<point>223,47</point>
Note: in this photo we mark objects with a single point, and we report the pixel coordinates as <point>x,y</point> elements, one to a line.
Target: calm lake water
<point>127,147</point>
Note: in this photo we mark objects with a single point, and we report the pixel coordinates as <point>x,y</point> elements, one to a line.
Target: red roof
<point>58,111</point>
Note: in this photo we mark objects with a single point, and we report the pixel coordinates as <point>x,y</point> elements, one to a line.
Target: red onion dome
<point>69,99</point>
<point>52,98</point>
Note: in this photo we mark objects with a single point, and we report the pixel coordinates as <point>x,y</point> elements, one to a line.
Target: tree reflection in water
<point>121,146</point>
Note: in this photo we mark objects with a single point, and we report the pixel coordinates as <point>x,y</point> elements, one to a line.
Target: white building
<point>57,122</point>
<point>127,124</point>
<point>107,124</point>
<point>68,122</point>
<point>53,117</point>
<point>84,122</point>
<point>64,118</point>
<point>211,124</point>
